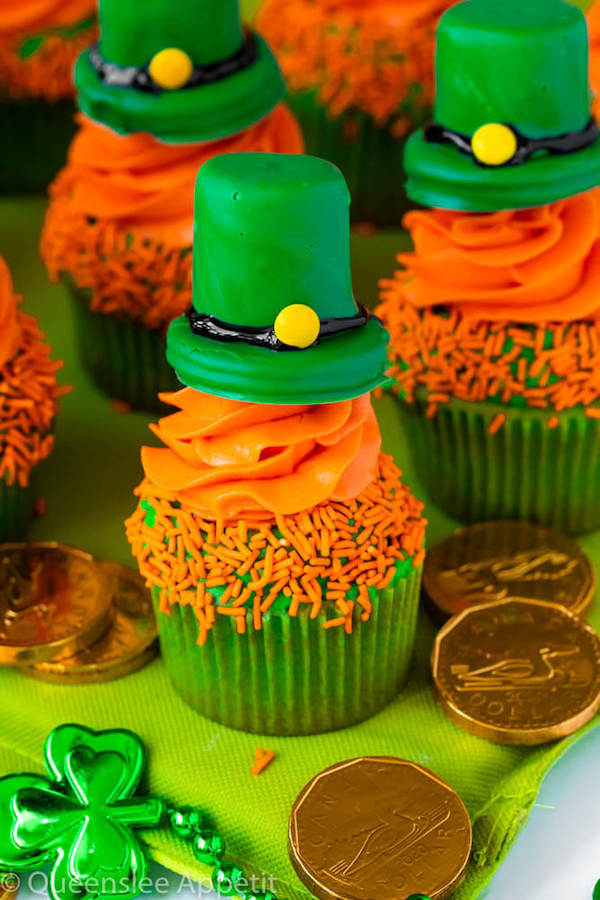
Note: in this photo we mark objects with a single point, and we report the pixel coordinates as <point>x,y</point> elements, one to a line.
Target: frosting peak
<point>10,331</point>
<point>532,265</point>
<point>226,458</point>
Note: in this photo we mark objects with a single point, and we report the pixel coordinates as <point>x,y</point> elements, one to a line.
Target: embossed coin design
<point>128,644</point>
<point>378,827</point>
<point>496,560</point>
<point>9,885</point>
<point>518,671</point>
<point>53,599</point>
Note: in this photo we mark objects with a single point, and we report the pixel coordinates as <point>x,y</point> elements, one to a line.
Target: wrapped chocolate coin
<point>495,560</point>
<point>53,599</point>
<point>9,885</point>
<point>378,827</point>
<point>518,671</point>
<point>129,643</point>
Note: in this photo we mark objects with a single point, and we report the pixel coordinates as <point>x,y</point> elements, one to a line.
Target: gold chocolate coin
<point>53,599</point>
<point>129,643</point>
<point>9,885</point>
<point>518,671</point>
<point>379,827</point>
<point>496,560</point>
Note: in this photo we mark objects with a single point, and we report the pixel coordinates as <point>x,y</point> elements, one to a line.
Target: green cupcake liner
<point>294,677</point>
<point>123,358</point>
<point>34,140</point>
<point>525,471</point>
<point>368,155</point>
<point>17,509</point>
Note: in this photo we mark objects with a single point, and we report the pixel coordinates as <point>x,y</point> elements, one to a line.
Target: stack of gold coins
<point>514,664</point>
<point>69,618</point>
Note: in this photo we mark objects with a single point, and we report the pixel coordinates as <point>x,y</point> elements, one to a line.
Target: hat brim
<point>441,176</point>
<point>339,368</point>
<point>189,115</point>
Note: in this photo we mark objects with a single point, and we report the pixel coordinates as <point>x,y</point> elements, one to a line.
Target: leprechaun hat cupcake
<point>282,548</point>
<point>159,96</point>
<point>495,315</point>
<point>360,78</point>
<point>28,404</point>
<point>39,43</point>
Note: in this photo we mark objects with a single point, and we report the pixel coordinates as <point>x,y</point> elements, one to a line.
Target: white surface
<point>556,856</point>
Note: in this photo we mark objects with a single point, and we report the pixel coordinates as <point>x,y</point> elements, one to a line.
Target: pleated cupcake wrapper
<point>122,357</point>
<point>524,471</point>
<point>17,508</point>
<point>294,676</point>
<point>34,140</point>
<point>369,156</point>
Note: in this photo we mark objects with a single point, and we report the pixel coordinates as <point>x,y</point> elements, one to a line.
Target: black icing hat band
<point>140,78</point>
<point>524,147</point>
<point>205,325</point>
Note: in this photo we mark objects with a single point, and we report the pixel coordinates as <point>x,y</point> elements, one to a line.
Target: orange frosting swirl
<point>533,265</point>
<point>138,182</point>
<point>226,458</point>
<point>10,331</point>
<point>35,16</point>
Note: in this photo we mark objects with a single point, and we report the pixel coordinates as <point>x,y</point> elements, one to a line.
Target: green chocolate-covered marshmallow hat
<point>183,70</point>
<point>512,122</point>
<point>273,318</point>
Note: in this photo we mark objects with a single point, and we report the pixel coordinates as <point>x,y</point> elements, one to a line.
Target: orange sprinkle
<point>257,614</point>
<point>497,423</point>
<point>236,611</point>
<point>120,406</point>
<point>48,72</point>
<point>435,355</point>
<point>262,759</point>
<point>386,516</point>
<point>114,289</point>
<point>356,56</point>
<point>28,404</point>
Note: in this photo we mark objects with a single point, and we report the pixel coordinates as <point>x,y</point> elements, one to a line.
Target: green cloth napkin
<point>88,482</point>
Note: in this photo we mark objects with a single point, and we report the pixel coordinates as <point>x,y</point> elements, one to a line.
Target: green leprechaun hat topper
<point>512,122</point>
<point>183,70</point>
<point>273,318</point>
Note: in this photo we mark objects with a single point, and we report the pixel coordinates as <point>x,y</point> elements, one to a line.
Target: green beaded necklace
<point>208,847</point>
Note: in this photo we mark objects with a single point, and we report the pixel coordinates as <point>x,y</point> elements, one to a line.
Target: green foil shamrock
<point>80,819</point>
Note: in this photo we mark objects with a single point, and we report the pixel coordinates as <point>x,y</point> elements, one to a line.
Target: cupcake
<point>282,548</point>
<point>158,99</point>
<point>495,315</point>
<point>39,43</point>
<point>360,77</point>
<point>28,404</point>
